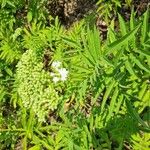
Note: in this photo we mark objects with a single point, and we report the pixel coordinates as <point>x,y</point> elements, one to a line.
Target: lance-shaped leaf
<point>122,41</point>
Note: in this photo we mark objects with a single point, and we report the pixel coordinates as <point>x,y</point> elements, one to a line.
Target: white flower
<point>60,73</point>
<point>52,74</point>
<point>63,73</point>
<point>56,64</point>
<point>55,79</point>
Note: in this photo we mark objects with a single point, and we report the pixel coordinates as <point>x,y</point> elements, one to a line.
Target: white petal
<point>52,74</point>
<point>63,73</point>
<point>55,79</point>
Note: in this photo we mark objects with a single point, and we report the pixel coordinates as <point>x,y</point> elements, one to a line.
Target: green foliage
<point>141,142</point>
<point>108,9</point>
<point>68,88</point>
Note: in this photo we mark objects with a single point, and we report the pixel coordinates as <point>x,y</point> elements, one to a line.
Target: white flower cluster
<point>34,85</point>
<point>59,74</point>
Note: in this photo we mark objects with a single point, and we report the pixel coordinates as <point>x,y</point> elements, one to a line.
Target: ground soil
<point>70,11</point>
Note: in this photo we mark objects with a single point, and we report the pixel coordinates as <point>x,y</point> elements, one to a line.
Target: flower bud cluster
<point>34,85</point>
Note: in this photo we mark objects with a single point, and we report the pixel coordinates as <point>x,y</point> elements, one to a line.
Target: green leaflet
<point>145,26</point>
<point>129,67</point>
<point>107,93</point>
<point>120,101</point>
<point>132,20</point>
<point>142,91</point>
<point>135,115</point>
<point>36,147</point>
<point>132,25</point>
<point>112,103</point>
<point>143,52</point>
<point>141,142</point>
<point>111,34</point>
<point>2,93</point>
<point>140,64</point>
<point>42,142</point>
<point>92,46</point>
<point>122,24</point>
<point>122,41</point>
<point>94,43</point>
<point>145,101</point>
<point>71,42</point>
